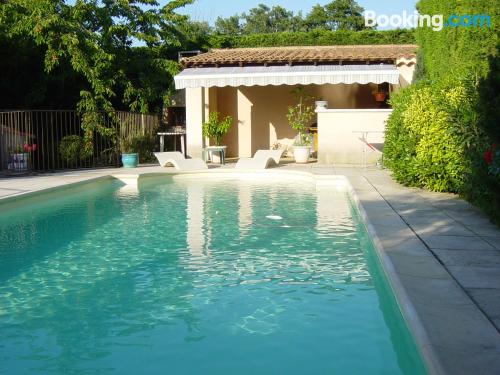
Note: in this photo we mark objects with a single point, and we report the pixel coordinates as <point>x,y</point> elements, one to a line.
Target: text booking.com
<point>437,21</point>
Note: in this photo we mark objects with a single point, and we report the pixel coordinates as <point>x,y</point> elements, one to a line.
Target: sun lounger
<point>177,160</point>
<point>261,160</point>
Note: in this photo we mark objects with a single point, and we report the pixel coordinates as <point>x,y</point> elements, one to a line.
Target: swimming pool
<point>191,276</point>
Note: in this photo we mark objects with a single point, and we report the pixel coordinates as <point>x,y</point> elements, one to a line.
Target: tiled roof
<point>301,54</point>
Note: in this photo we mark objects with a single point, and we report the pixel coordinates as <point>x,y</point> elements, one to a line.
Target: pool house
<point>253,86</point>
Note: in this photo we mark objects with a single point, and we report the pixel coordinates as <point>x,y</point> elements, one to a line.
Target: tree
<point>345,15</point>
<point>316,19</point>
<point>228,26</point>
<point>257,20</point>
<point>336,15</point>
<point>281,19</point>
<point>93,39</point>
<point>195,35</point>
<point>263,19</point>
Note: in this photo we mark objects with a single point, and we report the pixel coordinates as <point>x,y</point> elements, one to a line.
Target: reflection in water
<point>195,236</point>
<point>130,184</point>
<point>180,274</point>
<point>129,190</point>
<point>244,209</point>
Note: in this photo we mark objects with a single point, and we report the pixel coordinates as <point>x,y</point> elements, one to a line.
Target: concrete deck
<point>441,255</point>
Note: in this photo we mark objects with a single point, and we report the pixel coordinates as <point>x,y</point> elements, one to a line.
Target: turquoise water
<point>195,277</point>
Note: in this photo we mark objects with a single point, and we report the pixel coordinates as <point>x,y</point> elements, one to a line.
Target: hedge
<point>432,133</point>
<point>441,126</point>
<point>314,37</point>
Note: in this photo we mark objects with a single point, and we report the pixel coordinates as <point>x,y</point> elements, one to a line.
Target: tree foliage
<point>215,128</point>
<point>318,37</point>
<point>228,26</point>
<point>344,15</point>
<point>336,15</point>
<point>94,39</point>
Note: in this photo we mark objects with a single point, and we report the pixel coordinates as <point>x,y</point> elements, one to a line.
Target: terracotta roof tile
<point>300,54</point>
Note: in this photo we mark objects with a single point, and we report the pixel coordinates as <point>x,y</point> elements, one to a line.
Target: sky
<point>209,10</point>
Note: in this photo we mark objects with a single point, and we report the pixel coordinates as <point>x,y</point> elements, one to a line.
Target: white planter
<point>19,162</point>
<point>301,153</point>
<point>321,104</point>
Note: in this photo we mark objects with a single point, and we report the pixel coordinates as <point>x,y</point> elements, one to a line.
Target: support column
<point>195,117</point>
<point>244,125</point>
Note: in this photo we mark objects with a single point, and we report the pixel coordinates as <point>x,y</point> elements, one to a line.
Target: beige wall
<point>339,144</point>
<point>265,107</point>
<point>406,69</point>
<point>259,119</point>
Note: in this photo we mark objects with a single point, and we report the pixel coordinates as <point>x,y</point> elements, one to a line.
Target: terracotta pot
<point>379,96</point>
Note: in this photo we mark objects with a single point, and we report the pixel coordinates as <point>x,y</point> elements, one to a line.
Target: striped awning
<point>285,75</point>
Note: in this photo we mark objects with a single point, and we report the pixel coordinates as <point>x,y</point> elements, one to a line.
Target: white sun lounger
<point>177,160</point>
<point>261,160</point>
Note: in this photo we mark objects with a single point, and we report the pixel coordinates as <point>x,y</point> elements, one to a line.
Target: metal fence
<point>32,140</point>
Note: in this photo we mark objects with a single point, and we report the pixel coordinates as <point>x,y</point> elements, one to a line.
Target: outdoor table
<point>174,134</point>
<point>220,149</point>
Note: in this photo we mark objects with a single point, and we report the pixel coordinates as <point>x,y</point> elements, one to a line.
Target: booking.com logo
<point>436,22</point>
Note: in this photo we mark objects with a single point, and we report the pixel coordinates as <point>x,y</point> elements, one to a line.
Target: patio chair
<point>261,160</point>
<point>177,160</point>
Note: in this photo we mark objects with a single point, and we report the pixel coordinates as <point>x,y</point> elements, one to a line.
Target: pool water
<point>195,277</point>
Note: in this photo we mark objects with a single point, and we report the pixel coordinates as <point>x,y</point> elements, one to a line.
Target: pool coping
<point>426,293</point>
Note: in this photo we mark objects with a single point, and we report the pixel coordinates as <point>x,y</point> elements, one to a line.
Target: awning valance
<point>285,75</point>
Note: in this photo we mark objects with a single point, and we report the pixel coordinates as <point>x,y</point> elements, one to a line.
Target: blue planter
<point>130,160</point>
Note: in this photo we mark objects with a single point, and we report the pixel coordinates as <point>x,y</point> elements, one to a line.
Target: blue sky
<point>209,10</point>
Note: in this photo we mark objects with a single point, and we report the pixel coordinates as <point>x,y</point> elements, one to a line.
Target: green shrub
<point>441,126</point>
<point>457,50</point>
<point>71,149</point>
<point>313,38</point>
<point>400,143</point>
<point>432,136</point>
<point>215,128</point>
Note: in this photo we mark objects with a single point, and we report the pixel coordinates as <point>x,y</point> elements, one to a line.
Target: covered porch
<point>257,92</point>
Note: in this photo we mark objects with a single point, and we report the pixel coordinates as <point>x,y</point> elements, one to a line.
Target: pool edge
<point>64,186</point>
<point>412,319</point>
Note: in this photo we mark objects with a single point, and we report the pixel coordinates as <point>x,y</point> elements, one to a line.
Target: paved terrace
<point>441,254</point>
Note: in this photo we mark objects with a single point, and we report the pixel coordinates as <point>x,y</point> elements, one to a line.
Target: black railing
<point>35,140</point>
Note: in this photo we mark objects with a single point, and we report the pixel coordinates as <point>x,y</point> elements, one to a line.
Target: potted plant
<point>299,117</point>
<point>19,157</point>
<point>130,156</point>
<point>215,129</point>
<point>379,96</point>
